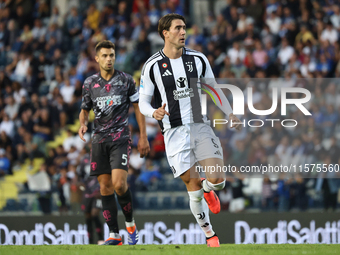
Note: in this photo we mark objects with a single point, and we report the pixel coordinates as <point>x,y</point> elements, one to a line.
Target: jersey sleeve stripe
<point>152,75</point>
<point>134,98</point>
<point>154,56</point>
<point>162,53</point>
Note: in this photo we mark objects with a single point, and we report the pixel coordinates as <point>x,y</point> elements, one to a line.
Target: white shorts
<point>187,144</point>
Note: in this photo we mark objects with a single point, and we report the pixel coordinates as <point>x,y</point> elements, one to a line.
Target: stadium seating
<point>166,204</point>
<point>153,203</point>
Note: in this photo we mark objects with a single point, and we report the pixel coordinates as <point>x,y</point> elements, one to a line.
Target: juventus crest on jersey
<point>174,82</point>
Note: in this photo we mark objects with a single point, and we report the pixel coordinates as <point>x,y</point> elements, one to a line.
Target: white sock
<point>208,186</point>
<point>200,210</point>
<point>130,224</point>
<point>114,235</point>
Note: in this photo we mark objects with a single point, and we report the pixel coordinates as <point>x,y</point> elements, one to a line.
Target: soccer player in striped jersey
<point>167,77</point>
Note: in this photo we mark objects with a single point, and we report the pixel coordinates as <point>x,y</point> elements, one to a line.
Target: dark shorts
<point>108,156</point>
<point>92,202</point>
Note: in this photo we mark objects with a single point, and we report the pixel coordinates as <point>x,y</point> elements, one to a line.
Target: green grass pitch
<point>251,249</point>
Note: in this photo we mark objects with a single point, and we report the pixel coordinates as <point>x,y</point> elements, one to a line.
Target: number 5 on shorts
<point>124,157</point>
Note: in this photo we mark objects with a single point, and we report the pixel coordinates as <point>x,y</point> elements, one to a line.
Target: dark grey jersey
<point>110,101</point>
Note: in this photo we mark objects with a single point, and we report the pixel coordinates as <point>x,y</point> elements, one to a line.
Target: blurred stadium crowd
<point>46,56</point>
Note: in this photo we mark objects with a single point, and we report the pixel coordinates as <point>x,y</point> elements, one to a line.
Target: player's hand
<point>160,112</point>
<point>143,146</point>
<point>81,132</point>
<point>235,120</point>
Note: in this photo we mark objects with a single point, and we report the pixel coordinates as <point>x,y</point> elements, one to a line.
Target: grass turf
<point>253,249</point>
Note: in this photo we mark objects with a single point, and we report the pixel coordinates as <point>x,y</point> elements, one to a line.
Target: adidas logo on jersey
<point>167,73</point>
<point>218,153</point>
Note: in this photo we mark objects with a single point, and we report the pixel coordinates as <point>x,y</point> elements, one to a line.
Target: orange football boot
<point>213,241</point>
<point>212,200</point>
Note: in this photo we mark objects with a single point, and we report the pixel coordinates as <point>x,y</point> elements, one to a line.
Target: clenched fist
<point>235,120</point>
<point>160,112</point>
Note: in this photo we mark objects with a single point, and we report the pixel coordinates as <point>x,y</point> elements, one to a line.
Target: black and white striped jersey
<point>175,82</point>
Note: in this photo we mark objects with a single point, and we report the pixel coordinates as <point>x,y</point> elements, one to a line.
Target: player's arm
<point>225,107</point>
<point>86,106</point>
<point>143,143</point>
<point>146,91</point>
<point>84,120</point>
<point>148,111</point>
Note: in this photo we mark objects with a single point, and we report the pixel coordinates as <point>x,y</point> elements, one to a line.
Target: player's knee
<point>106,187</point>
<point>106,190</point>
<point>120,187</point>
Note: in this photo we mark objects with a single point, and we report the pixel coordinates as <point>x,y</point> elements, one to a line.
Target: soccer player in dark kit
<point>109,94</point>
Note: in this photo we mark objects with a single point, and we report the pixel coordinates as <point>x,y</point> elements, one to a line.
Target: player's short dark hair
<point>165,22</point>
<point>105,44</point>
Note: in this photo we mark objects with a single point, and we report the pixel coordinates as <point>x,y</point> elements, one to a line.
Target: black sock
<point>89,230</point>
<point>125,202</point>
<point>99,227</point>
<point>110,212</point>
